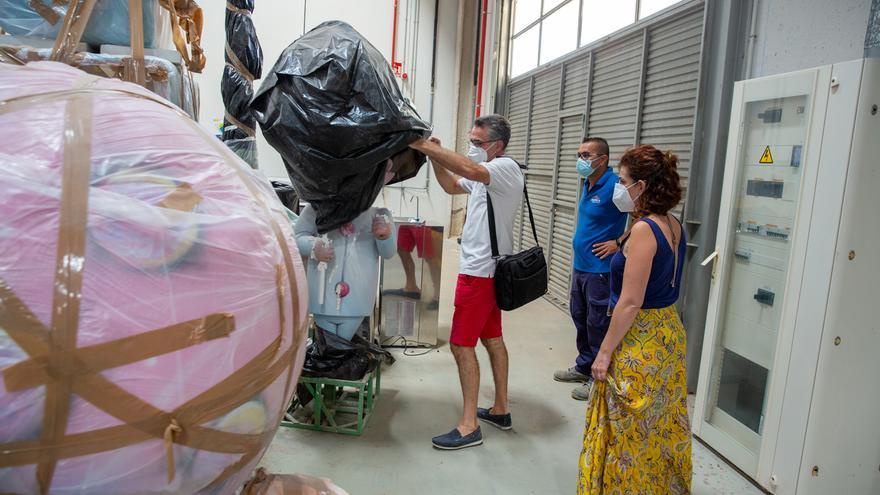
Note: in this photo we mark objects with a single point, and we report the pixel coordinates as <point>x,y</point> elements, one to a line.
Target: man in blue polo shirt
<point>599,233</point>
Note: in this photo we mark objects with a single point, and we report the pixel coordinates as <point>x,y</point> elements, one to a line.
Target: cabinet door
<point>758,235</point>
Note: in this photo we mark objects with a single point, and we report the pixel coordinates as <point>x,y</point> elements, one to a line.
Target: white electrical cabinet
<point>789,388</point>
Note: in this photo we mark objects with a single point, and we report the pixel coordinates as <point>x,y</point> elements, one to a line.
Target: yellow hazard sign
<point>766,157</point>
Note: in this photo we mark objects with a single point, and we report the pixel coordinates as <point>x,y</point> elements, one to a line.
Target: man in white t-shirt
<point>477,316</point>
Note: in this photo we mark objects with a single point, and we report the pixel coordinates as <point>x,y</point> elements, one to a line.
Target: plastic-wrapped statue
<point>152,308</point>
<point>343,269</point>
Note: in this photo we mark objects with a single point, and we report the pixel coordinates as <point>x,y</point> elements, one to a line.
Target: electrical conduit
<point>484,14</point>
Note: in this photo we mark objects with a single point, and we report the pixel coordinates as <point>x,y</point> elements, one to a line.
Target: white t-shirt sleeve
<point>467,184</point>
<point>504,176</point>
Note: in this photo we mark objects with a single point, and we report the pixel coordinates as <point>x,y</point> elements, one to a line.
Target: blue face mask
<point>585,167</point>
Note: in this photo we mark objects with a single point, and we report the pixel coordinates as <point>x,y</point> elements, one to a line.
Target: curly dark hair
<point>659,172</point>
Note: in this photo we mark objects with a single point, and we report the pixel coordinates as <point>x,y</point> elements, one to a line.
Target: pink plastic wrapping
<point>174,228</point>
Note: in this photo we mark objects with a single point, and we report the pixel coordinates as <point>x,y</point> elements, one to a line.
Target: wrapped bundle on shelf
<point>152,313</point>
<point>108,22</point>
<point>170,81</point>
<point>108,25</point>
<point>244,63</point>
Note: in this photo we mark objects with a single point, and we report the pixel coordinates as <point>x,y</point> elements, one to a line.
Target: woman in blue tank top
<point>637,436</point>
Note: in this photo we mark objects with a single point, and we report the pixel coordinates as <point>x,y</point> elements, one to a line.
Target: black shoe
<point>454,441</point>
<point>500,421</point>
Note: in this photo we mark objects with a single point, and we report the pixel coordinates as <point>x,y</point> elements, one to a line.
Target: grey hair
<point>498,126</point>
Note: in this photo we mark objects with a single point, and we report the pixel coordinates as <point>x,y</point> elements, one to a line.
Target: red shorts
<point>476,312</point>
<point>419,237</point>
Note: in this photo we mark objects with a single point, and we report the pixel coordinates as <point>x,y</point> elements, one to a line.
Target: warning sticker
<point>766,157</point>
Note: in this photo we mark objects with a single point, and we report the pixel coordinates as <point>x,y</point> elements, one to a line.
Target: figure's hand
<point>600,366</point>
<point>605,249</point>
<point>381,228</point>
<point>435,140</point>
<point>322,252</point>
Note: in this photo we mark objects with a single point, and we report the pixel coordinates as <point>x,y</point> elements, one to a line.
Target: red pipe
<point>482,57</point>
<point>395,65</point>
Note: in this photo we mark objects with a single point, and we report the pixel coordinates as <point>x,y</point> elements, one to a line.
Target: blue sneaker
<point>454,441</point>
<point>500,421</point>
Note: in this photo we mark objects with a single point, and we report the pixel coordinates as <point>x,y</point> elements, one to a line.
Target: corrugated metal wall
<point>671,83</point>
<point>541,151</point>
<point>640,86</point>
<point>616,87</point>
<point>518,114</point>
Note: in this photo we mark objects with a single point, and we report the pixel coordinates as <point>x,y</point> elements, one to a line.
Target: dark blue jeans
<point>589,311</point>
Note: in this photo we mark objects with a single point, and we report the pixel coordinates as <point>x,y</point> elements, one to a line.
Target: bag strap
<point>493,237</point>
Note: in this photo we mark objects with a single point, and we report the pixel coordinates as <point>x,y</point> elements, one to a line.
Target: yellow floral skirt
<point>637,439</point>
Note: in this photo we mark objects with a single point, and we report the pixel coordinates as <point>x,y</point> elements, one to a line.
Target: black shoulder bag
<point>519,278</point>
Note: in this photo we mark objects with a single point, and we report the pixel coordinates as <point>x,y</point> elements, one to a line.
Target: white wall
<point>800,34</point>
<point>280,22</point>
<point>411,198</point>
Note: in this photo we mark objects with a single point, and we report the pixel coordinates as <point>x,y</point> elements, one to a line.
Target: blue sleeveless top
<point>660,291</point>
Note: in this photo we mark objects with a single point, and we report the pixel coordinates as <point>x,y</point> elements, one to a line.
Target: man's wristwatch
<point>617,241</point>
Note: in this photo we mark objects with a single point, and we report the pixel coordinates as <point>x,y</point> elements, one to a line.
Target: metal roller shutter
<point>640,86</point>
<point>518,106</point>
<point>541,153</point>
<point>561,259</point>
<point>671,85</point>
<point>518,230</point>
<point>615,94</point>
<point>577,80</point>
<point>543,130</point>
<point>568,182</point>
<point>575,89</point>
<point>565,208</point>
<point>540,187</point>
<point>518,115</point>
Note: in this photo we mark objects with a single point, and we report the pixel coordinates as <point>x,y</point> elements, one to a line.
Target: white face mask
<point>621,198</point>
<point>477,154</point>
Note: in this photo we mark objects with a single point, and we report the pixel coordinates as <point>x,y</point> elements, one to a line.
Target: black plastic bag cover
<point>331,356</point>
<point>244,62</point>
<point>332,108</point>
<point>287,195</point>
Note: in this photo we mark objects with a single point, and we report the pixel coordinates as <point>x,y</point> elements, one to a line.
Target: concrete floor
<point>421,398</point>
